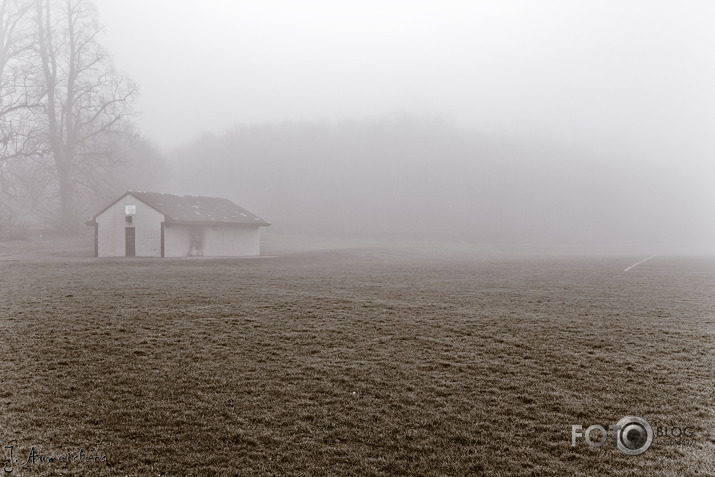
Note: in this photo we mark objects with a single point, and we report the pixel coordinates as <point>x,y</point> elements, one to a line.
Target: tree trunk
<point>68,219</point>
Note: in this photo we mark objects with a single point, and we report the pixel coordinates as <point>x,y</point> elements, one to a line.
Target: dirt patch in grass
<point>354,362</point>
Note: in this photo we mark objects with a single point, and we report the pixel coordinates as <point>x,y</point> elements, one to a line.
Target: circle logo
<point>634,435</point>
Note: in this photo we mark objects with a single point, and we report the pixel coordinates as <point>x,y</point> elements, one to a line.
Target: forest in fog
<point>412,178</point>
<point>73,141</point>
<point>420,178</point>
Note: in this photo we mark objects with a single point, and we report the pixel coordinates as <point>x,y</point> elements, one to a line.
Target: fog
<point>510,121</point>
<point>426,179</point>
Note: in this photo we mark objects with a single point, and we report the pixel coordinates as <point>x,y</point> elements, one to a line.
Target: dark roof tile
<point>191,208</point>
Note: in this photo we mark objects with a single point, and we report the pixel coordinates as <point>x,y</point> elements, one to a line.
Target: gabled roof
<point>193,209</point>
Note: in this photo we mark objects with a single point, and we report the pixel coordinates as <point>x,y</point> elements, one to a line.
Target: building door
<point>129,241</point>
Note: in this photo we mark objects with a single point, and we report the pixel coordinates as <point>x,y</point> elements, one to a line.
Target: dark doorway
<point>129,241</point>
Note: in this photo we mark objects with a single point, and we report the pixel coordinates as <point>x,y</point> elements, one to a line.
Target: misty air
<point>356,238</point>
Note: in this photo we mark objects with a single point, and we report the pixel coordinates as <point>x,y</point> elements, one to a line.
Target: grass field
<point>361,361</point>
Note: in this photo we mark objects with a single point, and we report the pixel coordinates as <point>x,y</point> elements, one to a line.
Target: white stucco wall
<point>211,240</point>
<point>111,224</point>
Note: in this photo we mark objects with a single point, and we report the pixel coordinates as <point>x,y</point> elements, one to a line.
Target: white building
<point>149,224</point>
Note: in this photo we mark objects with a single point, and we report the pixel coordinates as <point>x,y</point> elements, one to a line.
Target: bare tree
<point>20,94</point>
<point>86,102</point>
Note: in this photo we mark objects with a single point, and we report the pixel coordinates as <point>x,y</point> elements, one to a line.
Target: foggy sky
<point>626,78</point>
<point>625,87</point>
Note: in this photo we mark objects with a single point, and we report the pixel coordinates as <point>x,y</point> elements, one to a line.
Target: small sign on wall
<point>130,209</point>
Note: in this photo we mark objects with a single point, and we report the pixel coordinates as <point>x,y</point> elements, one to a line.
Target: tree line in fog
<point>426,179</point>
<point>68,145</point>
